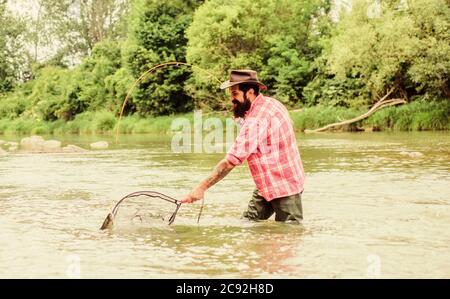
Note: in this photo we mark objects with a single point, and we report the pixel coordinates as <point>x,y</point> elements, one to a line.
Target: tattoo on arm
<point>221,171</point>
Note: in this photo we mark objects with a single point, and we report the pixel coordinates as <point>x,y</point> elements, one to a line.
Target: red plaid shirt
<point>267,141</point>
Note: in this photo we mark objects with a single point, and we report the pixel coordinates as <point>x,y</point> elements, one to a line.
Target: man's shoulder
<point>268,108</point>
<point>274,106</point>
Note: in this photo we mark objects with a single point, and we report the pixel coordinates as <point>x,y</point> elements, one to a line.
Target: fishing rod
<point>149,71</point>
<point>109,220</point>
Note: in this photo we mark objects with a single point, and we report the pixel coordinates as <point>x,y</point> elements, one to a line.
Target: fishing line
<point>110,218</point>
<point>149,71</point>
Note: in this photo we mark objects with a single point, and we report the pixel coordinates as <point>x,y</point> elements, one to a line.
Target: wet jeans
<point>287,208</point>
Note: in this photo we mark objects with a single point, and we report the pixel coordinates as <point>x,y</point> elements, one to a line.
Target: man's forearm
<point>222,169</point>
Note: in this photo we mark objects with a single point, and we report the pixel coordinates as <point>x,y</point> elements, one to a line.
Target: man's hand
<point>196,194</point>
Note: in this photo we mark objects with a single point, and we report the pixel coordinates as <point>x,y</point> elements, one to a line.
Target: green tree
<point>157,34</point>
<point>56,92</point>
<point>12,50</point>
<point>78,25</point>
<point>405,48</point>
<point>275,37</point>
<point>105,61</point>
<point>54,95</point>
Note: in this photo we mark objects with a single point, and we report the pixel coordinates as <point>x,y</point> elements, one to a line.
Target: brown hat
<point>242,76</point>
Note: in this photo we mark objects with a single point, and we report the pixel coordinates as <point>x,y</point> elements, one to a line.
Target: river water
<point>376,205</point>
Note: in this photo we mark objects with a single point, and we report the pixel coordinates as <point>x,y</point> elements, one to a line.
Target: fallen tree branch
<point>382,103</point>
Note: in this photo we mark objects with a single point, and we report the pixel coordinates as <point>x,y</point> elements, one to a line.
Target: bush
<point>419,115</point>
<point>104,121</point>
<point>12,105</point>
<point>319,116</point>
<point>54,94</point>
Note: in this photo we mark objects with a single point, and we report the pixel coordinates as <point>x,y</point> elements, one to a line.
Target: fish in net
<point>143,207</point>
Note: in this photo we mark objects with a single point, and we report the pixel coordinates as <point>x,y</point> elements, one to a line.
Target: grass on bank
<point>415,116</point>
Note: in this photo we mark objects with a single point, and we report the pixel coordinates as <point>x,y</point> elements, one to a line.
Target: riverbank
<point>415,116</point>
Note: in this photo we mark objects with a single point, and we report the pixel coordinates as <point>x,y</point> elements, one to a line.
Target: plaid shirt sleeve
<point>246,143</point>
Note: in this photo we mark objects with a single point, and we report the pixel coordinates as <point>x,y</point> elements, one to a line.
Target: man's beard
<point>239,109</point>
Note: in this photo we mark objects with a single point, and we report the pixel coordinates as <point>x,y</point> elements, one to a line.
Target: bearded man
<point>267,142</point>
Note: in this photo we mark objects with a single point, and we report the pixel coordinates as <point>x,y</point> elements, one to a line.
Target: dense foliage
<point>157,34</point>
<point>275,37</point>
<point>405,48</point>
<point>12,55</point>
<point>303,55</point>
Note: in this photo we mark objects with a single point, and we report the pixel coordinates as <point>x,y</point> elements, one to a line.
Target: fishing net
<point>143,208</point>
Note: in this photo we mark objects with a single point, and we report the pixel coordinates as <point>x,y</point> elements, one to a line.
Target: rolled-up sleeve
<point>246,143</point>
